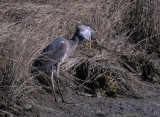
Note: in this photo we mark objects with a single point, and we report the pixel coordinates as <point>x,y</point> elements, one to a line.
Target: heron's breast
<point>64,57</point>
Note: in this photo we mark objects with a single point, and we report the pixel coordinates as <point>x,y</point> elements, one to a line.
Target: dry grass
<point>129,31</point>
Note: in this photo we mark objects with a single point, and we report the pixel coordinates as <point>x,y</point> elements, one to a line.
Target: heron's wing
<point>55,51</point>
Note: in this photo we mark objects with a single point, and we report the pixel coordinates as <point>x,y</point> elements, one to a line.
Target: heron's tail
<point>35,66</point>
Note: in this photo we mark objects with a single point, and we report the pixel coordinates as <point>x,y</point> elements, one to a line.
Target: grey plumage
<point>60,49</point>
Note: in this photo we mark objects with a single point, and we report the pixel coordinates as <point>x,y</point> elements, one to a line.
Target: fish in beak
<point>93,39</point>
<point>96,41</point>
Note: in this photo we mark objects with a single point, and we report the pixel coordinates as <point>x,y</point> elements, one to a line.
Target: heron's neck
<point>75,41</point>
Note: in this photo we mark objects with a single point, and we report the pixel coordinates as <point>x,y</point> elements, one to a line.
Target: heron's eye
<point>92,31</point>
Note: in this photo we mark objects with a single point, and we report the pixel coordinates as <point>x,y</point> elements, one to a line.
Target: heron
<point>60,49</point>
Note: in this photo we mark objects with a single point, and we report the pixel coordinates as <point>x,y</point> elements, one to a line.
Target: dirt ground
<point>85,106</point>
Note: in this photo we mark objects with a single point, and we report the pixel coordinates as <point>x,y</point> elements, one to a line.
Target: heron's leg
<point>57,74</point>
<point>53,84</point>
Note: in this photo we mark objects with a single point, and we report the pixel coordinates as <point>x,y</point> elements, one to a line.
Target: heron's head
<point>87,33</point>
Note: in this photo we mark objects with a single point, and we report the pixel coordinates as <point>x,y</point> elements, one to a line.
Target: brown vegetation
<point>129,32</point>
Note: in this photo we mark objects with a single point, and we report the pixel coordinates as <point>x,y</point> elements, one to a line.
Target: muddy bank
<point>84,106</point>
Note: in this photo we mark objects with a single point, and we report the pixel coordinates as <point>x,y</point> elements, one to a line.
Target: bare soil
<point>85,106</point>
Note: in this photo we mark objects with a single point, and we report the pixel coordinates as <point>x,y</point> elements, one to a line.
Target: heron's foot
<point>66,102</point>
<point>55,100</point>
<point>63,101</point>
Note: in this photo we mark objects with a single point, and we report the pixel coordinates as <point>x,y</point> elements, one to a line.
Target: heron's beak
<point>90,46</point>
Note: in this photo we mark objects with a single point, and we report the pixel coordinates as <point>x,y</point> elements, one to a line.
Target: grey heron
<point>60,49</point>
